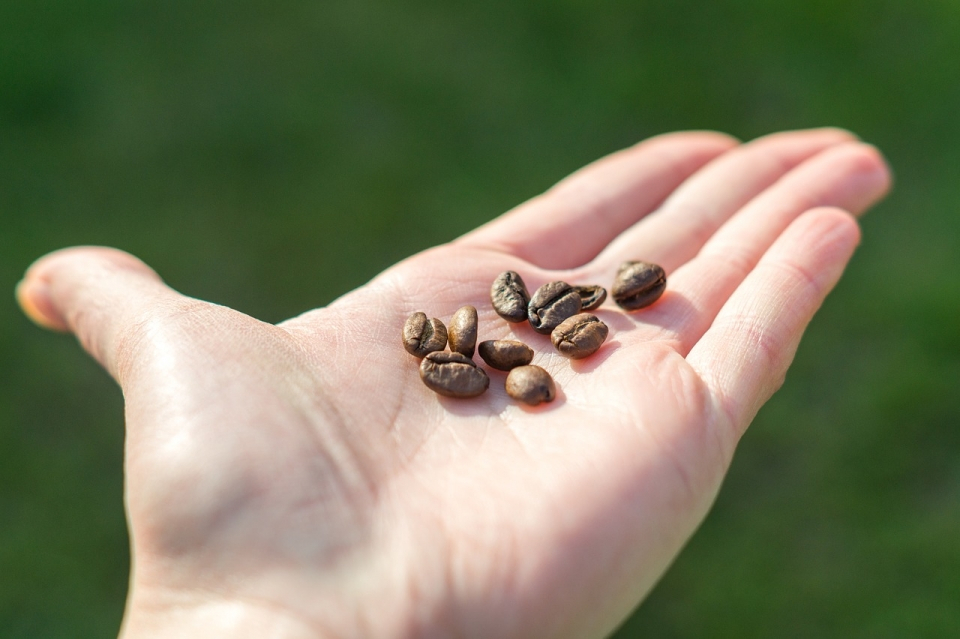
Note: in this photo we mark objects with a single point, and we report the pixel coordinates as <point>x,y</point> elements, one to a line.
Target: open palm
<point>299,480</point>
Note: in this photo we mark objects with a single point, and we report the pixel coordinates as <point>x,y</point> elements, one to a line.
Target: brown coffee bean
<point>422,335</point>
<point>505,354</point>
<point>591,297</point>
<point>579,336</point>
<point>510,297</point>
<point>530,385</point>
<point>453,375</point>
<point>638,284</point>
<point>462,332</point>
<point>551,304</point>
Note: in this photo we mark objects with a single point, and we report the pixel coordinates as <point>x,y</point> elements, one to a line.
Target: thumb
<point>99,294</point>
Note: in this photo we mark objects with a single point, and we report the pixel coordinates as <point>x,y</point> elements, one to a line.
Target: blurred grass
<point>267,157</point>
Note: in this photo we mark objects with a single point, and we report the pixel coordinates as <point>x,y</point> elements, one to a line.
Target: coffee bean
<point>422,335</point>
<point>510,297</point>
<point>453,375</point>
<point>462,332</point>
<point>504,354</point>
<point>591,297</point>
<point>638,284</point>
<point>579,336</point>
<point>530,385</point>
<point>551,304</point>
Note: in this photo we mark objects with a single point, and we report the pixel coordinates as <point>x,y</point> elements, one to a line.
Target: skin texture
<point>269,496</point>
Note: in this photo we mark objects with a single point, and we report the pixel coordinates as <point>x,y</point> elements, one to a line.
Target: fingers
<point>851,176</point>
<point>744,356</point>
<point>569,224</point>
<point>97,293</point>
<point>677,230</point>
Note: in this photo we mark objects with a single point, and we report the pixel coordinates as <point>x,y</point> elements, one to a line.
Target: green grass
<point>266,156</point>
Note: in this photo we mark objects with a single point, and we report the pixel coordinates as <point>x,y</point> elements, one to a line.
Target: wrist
<point>213,618</point>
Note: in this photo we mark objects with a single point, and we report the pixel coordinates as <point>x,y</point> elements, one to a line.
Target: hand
<point>299,480</point>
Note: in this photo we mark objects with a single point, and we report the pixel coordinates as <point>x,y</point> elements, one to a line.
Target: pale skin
<point>299,480</point>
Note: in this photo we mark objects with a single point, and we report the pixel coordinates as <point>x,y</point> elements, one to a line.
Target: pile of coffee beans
<point>557,309</point>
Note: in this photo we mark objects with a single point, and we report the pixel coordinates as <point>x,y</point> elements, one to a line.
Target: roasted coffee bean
<point>530,385</point>
<point>510,297</point>
<point>551,304</point>
<point>579,336</point>
<point>504,354</point>
<point>462,332</point>
<point>453,375</point>
<point>638,284</point>
<point>591,297</point>
<point>422,335</point>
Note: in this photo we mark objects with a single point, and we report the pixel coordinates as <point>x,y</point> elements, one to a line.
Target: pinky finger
<point>744,356</point>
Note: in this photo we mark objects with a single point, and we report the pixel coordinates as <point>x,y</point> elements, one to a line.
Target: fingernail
<point>34,299</point>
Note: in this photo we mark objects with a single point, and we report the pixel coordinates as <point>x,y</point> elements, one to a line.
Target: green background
<point>269,156</point>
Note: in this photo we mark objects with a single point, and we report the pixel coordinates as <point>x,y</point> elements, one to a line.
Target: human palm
<point>300,480</point>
